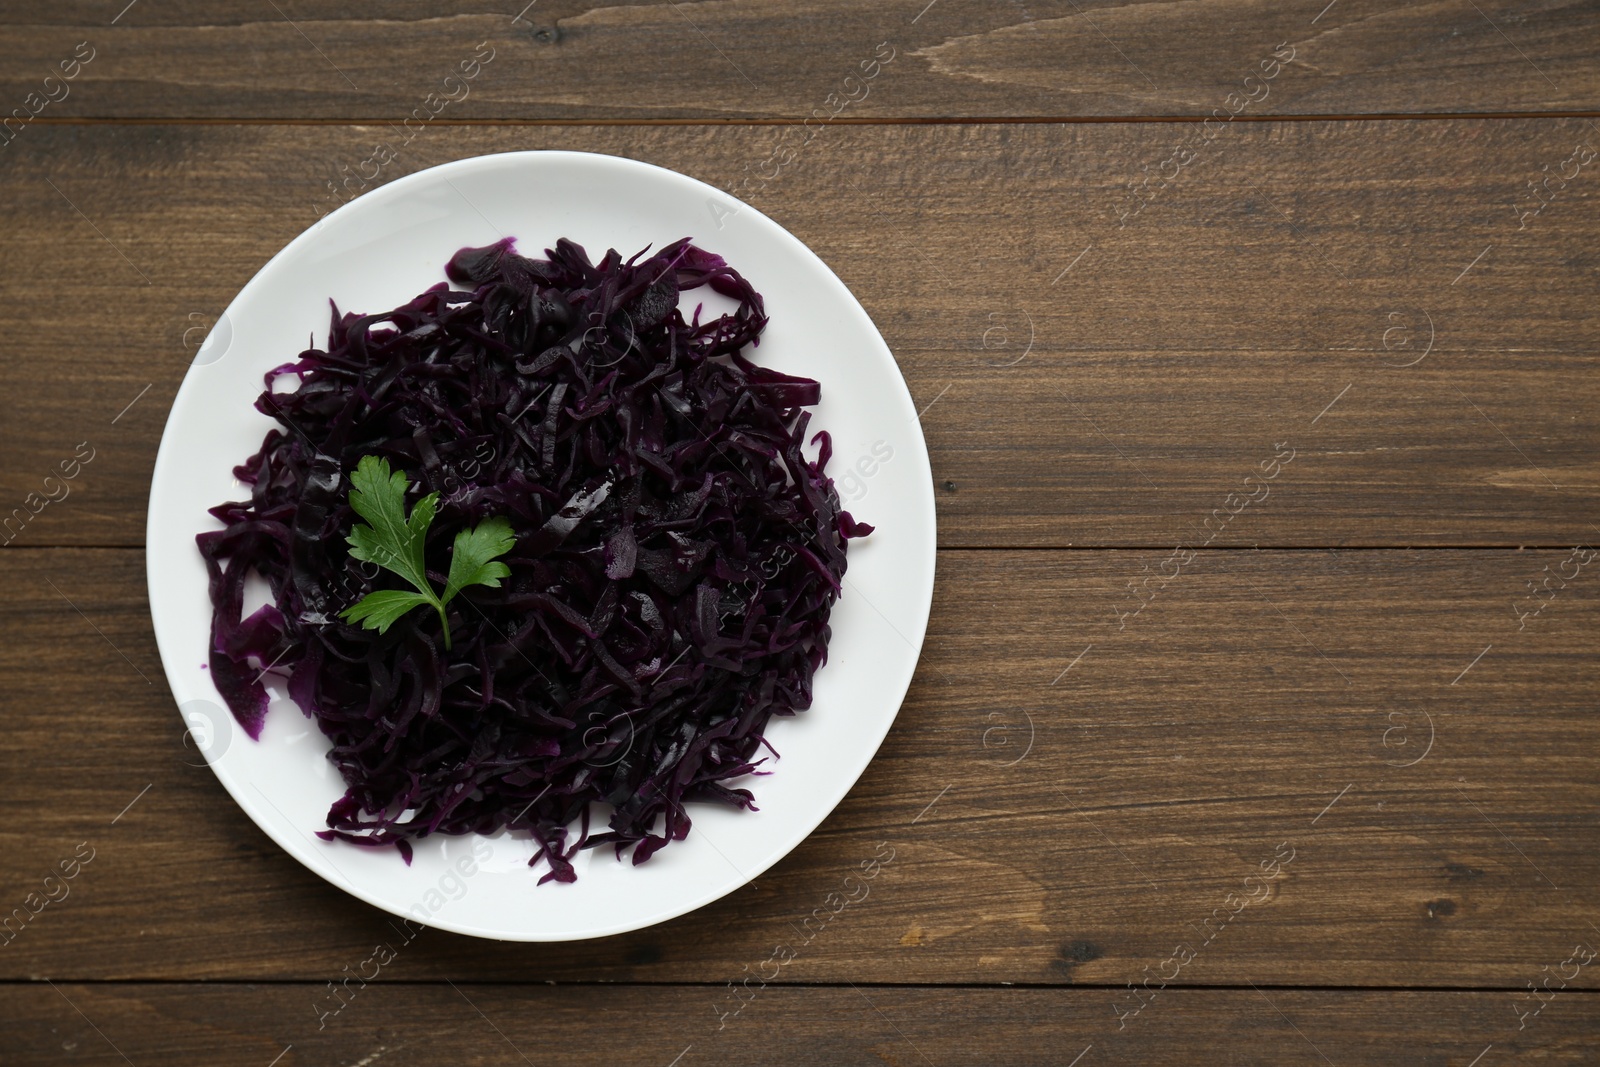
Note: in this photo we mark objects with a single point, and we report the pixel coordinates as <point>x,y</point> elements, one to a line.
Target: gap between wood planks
<point>976,120</point>
<point>488,983</point>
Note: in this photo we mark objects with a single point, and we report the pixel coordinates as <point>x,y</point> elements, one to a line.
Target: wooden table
<point>1257,351</point>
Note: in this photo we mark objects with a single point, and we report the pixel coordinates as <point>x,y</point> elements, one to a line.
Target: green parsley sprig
<point>395,542</point>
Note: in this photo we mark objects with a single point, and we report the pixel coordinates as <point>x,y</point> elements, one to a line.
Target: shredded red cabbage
<point>676,558</point>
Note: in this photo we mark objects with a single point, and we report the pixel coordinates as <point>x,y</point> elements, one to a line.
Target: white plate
<point>379,251</point>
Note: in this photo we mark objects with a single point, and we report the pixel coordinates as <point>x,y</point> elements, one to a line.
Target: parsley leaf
<point>381,607</point>
<point>391,541</point>
<point>395,542</point>
<point>474,549</point>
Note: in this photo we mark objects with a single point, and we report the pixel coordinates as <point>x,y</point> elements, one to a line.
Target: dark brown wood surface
<point>1334,785</point>
<point>1143,787</point>
<point>475,1025</point>
<point>1117,403</point>
<point>719,60</point>
<point>1044,828</point>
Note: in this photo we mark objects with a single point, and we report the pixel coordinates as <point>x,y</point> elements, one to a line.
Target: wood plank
<point>564,59</point>
<point>1359,290</point>
<point>1058,814</point>
<point>193,1023</point>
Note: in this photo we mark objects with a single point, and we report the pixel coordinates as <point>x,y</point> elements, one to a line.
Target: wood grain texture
<point>1378,296</point>
<point>1423,769</point>
<point>734,59</point>
<point>1343,735</point>
<point>475,1025</point>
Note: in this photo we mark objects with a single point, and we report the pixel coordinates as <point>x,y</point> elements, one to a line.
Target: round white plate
<point>377,252</point>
